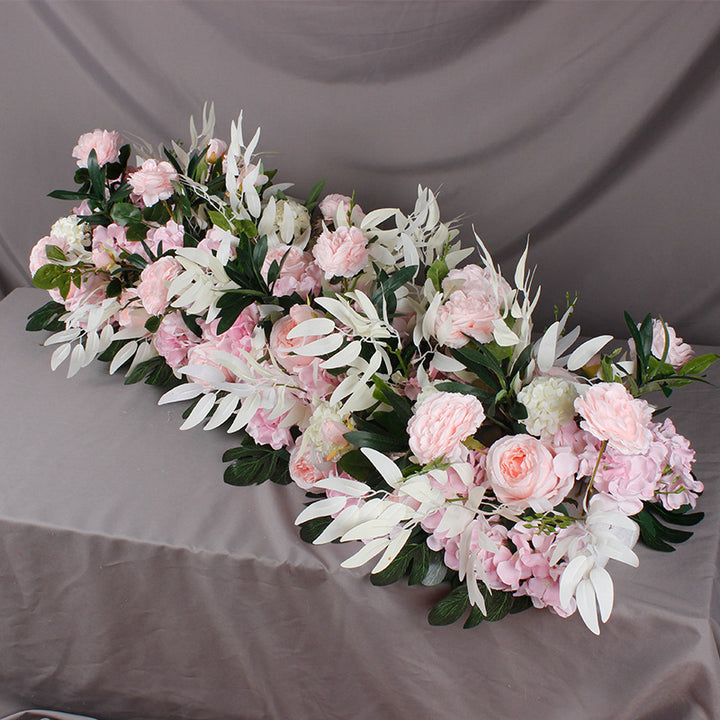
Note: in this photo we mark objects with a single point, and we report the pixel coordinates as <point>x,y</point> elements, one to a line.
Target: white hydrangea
<point>73,229</point>
<point>550,404</point>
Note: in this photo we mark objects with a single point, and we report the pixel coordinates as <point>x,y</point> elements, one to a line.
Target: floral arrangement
<point>365,358</point>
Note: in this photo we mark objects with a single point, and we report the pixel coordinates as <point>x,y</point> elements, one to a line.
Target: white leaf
<point>343,357</point>
<point>243,416</point>
<point>366,552</point>
<point>603,584</point>
<point>369,529</point>
<point>395,546</point>
<point>346,519</point>
<point>366,305</point>
<point>76,358</point>
<point>503,335</point>
<point>186,391</point>
<point>520,268</point>
<point>59,356</point>
<point>346,486</point>
<point>545,353</point>
<point>571,576</point>
<point>313,326</point>
<point>199,412</point>
<point>226,407</point>
<point>130,333</point>
<point>208,373</point>
<point>583,354</point>
<point>377,217</point>
<point>323,346</point>
<point>63,336</point>
<point>446,364</point>
<point>384,465</point>
<point>327,507</point>
<point>566,341</point>
<point>585,596</point>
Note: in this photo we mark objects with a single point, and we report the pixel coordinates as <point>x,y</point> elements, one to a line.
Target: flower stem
<point>592,477</point>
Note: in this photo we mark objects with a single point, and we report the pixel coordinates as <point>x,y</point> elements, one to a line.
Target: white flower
<point>72,228</point>
<point>549,403</point>
<point>286,221</point>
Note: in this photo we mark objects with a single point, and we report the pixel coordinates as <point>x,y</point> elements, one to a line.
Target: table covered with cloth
<point>135,584</point>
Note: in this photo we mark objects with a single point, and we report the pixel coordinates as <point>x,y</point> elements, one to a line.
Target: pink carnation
<point>298,274</point>
<point>238,337</point>
<point>105,144</point>
<point>154,281</point>
<point>611,413</point>
<point>153,181</point>
<point>522,473</point>
<point>441,423</point>
<point>342,253</point>
<point>678,352</point>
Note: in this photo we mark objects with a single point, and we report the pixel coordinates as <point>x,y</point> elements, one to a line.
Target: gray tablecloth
<point>135,585</point>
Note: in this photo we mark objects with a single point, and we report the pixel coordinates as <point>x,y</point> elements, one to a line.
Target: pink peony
<point>38,256</point>
<point>521,473</point>
<point>238,337</point>
<point>477,280</point>
<point>678,352</point>
<point>269,432</point>
<point>282,348</point>
<point>298,274</point>
<point>466,315</point>
<point>342,253</point>
<point>154,281</point>
<point>610,413</point>
<point>441,423</point>
<point>174,339</point>
<point>105,144</point>
<point>153,181</point>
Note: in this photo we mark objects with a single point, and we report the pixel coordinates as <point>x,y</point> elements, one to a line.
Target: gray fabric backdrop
<point>592,126</point>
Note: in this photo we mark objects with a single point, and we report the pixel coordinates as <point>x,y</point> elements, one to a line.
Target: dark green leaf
<point>681,516</point>
<point>46,317</point>
<point>698,364</point>
<point>126,213</point>
<point>153,323</point>
<point>47,276</point>
<point>314,195</point>
<point>254,464</point>
<point>458,387</point>
<point>474,618</point>
<point>97,176</point>
<point>401,406</point>
<point>114,288</point>
<point>249,228</point>
<point>361,438</point>
<point>312,529</point>
<point>420,564</point>
<point>68,195</point>
<point>219,220</point>
<point>53,252</point>
<point>451,607</point>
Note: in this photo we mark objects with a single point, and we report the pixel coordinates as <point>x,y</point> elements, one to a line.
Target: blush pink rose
<point>298,274</point>
<point>609,412</point>
<point>153,181</point>
<point>174,339</point>
<point>521,473</point>
<point>105,144</point>
<point>154,281</point>
<point>441,423</point>
<point>342,253</point>
<point>307,467</point>
<point>283,348</point>
<point>466,315</point>
<point>678,352</point>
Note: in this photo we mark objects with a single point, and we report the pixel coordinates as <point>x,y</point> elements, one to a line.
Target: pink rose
<point>342,253</point>
<point>298,273</point>
<point>441,423</point>
<point>153,181</point>
<point>678,352</point>
<point>168,236</point>
<point>216,149</point>
<point>466,315</point>
<point>329,206</point>
<point>38,256</point>
<point>154,281</point>
<point>105,144</point>
<point>282,348</point>
<point>174,339</point>
<point>522,474</point>
<point>306,467</point>
<point>610,413</point>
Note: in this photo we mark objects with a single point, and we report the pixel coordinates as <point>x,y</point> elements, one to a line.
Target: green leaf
<point>46,318</point>
<point>97,176</point>
<point>483,364</point>
<point>47,276</point>
<point>396,569</point>
<point>137,232</point>
<point>451,607</point>
<point>437,272</point>
<point>68,195</point>
<point>126,213</point>
<point>497,603</point>
<point>254,464</point>
<point>474,618</point>
<point>519,604</point>
<point>458,387</point>
<point>388,287</point>
<point>420,564</point>
<point>401,406</point>
<point>312,529</point>
<point>314,195</point>
<point>249,228</point>
<point>355,464</point>
<point>153,323</point>
<point>114,288</point>
<point>362,438</point>
<point>698,364</point>
<point>53,252</point>
<point>681,516</point>
<point>121,193</point>
<point>219,220</point>
<point>154,371</point>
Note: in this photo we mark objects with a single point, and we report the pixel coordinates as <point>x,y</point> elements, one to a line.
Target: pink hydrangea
<point>105,143</point>
<point>265,431</point>
<point>678,352</point>
<point>466,315</point>
<point>677,486</point>
<point>610,413</point>
<point>298,273</point>
<point>341,253</point>
<point>153,181</point>
<point>154,281</point>
<point>440,424</point>
<point>174,339</point>
<point>521,472</point>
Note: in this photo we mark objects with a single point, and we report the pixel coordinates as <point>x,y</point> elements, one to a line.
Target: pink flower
<point>216,149</point>
<point>154,281</point>
<point>38,256</point>
<point>610,413</point>
<point>238,336</point>
<point>521,473</point>
<point>441,423</point>
<point>133,314</point>
<point>677,486</point>
<point>306,467</point>
<point>203,354</point>
<point>212,241</point>
<point>105,144</point>
<point>174,339</point>
<point>342,253</point>
<point>474,279</point>
<point>153,181</point>
<point>107,244</point>
<point>168,236</point>
<point>329,206</point>
<point>678,352</point>
<point>298,272</point>
<point>284,348</point>
<point>91,291</point>
<point>82,209</point>
<point>269,432</point>
<point>466,315</point>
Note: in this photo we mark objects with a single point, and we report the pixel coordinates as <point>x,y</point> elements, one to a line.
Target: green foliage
<point>437,272</point>
<point>46,318</point>
<point>454,605</point>
<point>312,529</point>
<point>412,561</point>
<point>655,525</point>
<point>387,286</point>
<point>154,372</point>
<point>314,195</point>
<point>252,464</point>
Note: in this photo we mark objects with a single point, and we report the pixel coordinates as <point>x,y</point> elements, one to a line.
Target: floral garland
<point>361,357</point>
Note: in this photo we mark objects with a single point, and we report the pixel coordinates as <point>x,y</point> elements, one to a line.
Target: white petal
<point>503,335</point>
<point>571,576</point>
<point>351,488</point>
<point>313,326</point>
<point>323,346</point>
<point>446,364</point>
<point>395,546</point>
<point>585,596</point>
<point>603,584</point>
<point>343,357</point>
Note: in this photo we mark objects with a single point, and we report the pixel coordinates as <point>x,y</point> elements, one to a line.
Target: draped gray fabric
<point>591,127</point>
<point>135,585</point>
